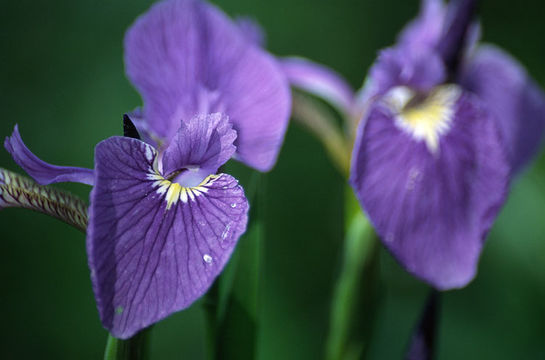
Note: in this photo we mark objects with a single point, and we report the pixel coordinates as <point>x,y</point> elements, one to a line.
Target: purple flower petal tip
<point>161,229</point>
<point>186,57</point>
<point>41,171</point>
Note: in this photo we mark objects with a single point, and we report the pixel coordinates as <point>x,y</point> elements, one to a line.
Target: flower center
<point>424,116</point>
<point>188,189</point>
<point>190,176</point>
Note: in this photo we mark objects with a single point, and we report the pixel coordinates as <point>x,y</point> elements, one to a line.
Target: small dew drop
<point>202,223</point>
<point>414,177</point>
<point>207,258</point>
<point>226,231</point>
<point>233,205</point>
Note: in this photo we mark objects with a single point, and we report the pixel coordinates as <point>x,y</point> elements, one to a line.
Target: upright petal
<point>186,58</point>
<point>420,70</point>
<point>426,29</point>
<point>515,101</point>
<point>155,247</point>
<point>41,171</point>
<point>205,142</point>
<point>320,81</point>
<point>432,210</point>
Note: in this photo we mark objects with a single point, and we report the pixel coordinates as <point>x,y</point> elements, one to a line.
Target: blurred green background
<point>62,80</point>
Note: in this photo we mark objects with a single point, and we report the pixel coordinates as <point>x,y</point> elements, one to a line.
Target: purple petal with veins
<point>156,245</point>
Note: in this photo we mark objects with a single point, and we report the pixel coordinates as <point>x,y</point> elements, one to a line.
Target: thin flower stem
<point>354,300</point>
<point>135,348</point>
<point>317,118</point>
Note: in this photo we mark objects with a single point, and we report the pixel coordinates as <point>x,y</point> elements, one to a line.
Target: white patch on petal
<point>426,117</point>
<point>149,154</point>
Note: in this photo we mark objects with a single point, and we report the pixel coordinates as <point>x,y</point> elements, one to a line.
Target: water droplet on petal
<point>414,177</point>
<point>233,205</point>
<point>226,231</point>
<point>207,258</point>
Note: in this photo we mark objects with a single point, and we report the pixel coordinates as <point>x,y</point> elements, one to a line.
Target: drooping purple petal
<point>516,102</point>
<point>204,143</point>
<point>432,211</point>
<point>155,247</point>
<point>41,171</point>
<point>320,81</point>
<point>186,57</point>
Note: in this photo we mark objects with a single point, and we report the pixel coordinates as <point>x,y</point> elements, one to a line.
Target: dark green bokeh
<point>62,80</point>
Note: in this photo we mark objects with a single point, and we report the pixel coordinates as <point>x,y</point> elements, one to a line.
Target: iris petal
<point>186,57</point>
<point>153,251</point>
<point>206,141</point>
<point>41,171</point>
<point>432,212</point>
<point>516,102</point>
<point>421,70</point>
<point>426,29</point>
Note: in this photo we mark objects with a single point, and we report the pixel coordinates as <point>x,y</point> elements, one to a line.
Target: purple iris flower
<point>448,125</point>
<point>186,57</point>
<point>162,222</point>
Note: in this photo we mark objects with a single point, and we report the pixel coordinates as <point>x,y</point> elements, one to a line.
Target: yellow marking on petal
<point>425,117</point>
<point>175,192</point>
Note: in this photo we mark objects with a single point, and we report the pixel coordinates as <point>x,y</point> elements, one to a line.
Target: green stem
<point>354,299</point>
<point>134,348</point>
<point>232,304</point>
